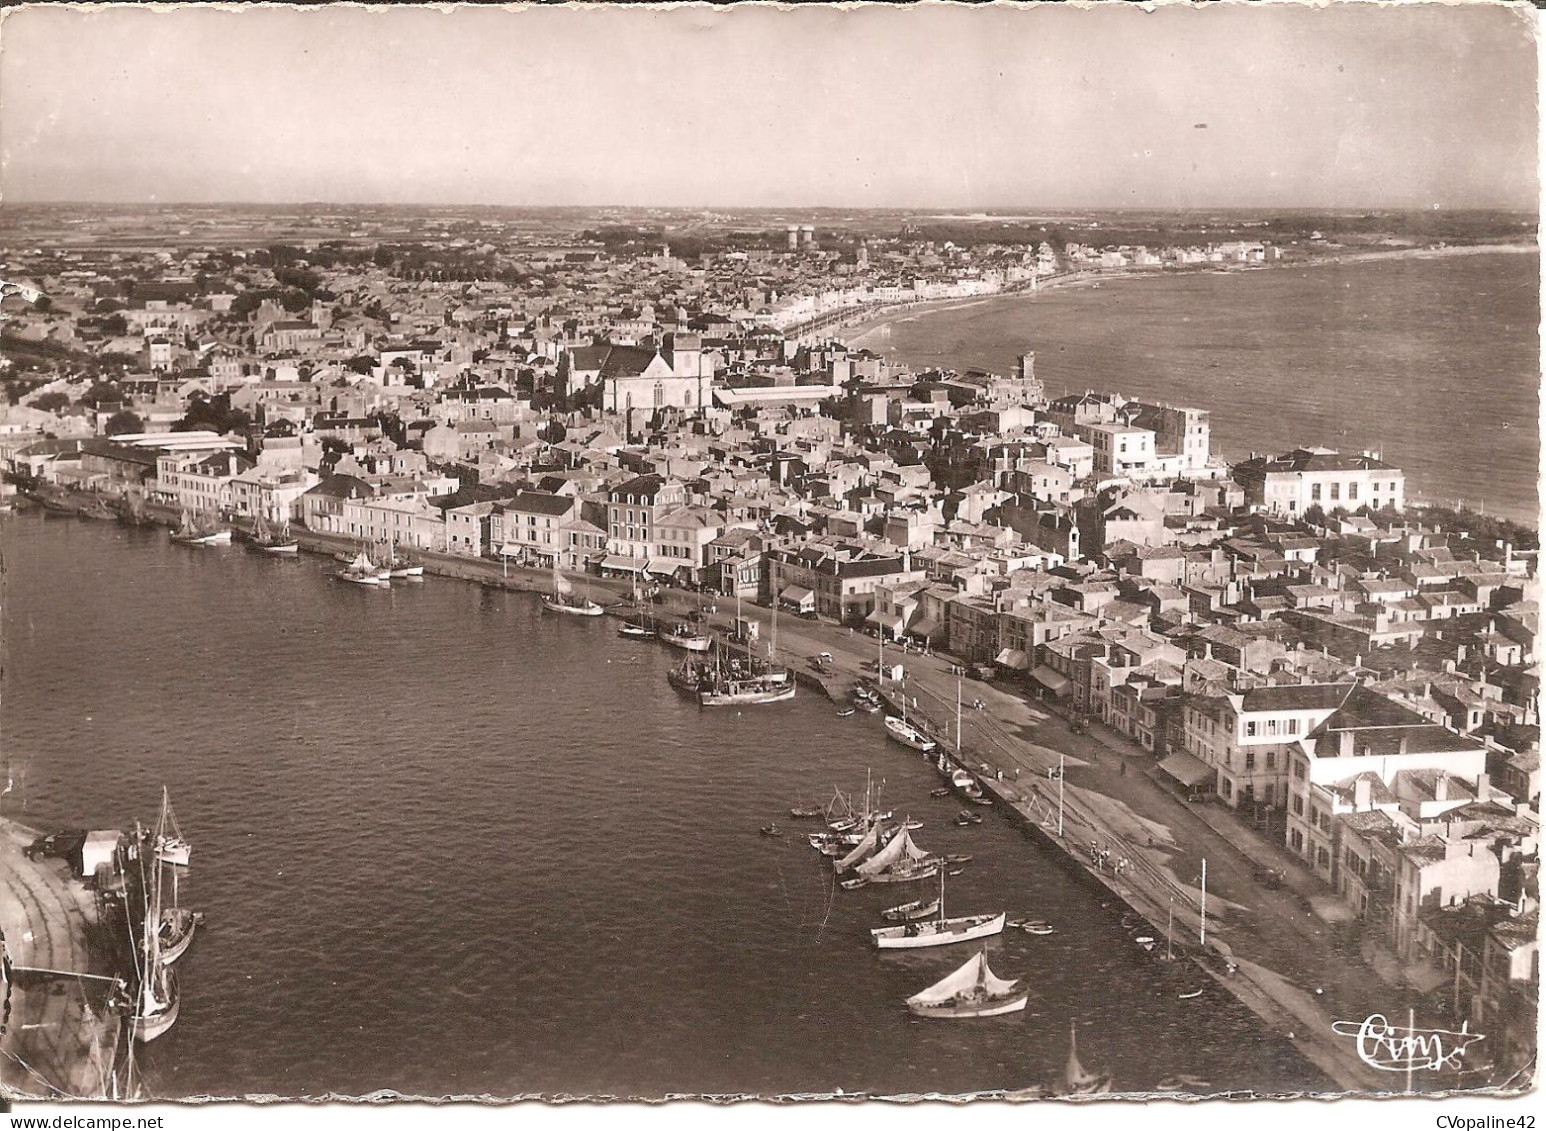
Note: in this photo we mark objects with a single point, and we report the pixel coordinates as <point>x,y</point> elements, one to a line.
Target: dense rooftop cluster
<point>1284,634</point>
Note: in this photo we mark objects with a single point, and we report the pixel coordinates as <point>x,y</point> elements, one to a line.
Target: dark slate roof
<point>1296,697</point>
<point>626,361</point>
<point>536,502</point>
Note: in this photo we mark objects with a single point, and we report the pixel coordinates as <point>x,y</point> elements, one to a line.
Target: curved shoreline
<point>854,332</point>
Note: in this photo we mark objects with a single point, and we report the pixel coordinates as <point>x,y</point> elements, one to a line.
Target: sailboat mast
<point>1202,918</point>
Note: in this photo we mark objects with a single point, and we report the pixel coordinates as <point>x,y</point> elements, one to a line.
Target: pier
<point>59,1040</point>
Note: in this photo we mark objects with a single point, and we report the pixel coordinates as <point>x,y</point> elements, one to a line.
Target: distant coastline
<point>859,331</point>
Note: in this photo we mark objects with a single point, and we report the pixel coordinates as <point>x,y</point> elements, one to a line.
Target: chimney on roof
<point>1483,786</point>
<point>1441,787</point>
<point>1344,744</point>
<point>1361,795</point>
<point>1401,745</point>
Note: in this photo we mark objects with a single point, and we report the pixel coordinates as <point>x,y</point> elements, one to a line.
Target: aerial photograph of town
<point>867,553</point>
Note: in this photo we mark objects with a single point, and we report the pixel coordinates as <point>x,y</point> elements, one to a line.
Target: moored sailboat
<point>273,540</point>
<point>170,846</point>
<point>362,571</point>
<point>564,600</point>
<point>685,637</point>
<point>899,730</point>
<point>938,931</point>
<point>972,990</point>
<point>901,861</point>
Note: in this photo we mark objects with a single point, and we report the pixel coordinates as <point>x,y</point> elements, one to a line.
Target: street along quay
<point>57,1039</point>
<point>1186,877</point>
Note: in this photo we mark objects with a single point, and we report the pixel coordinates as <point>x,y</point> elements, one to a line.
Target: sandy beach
<point>867,328</point>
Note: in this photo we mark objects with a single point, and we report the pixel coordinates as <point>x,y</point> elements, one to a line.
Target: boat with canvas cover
<point>973,990</point>
<point>938,931</point>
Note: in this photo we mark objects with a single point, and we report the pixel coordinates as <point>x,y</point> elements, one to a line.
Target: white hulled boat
<point>362,571</point>
<point>274,540</point>
<point>683,637</point>
<point>973,990</point>
<point>563,599</point>
<point>939,931</point>
<point>171,847</point>
<point>904,732</point>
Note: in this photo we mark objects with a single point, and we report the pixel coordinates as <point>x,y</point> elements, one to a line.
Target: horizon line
<point>985,210</point>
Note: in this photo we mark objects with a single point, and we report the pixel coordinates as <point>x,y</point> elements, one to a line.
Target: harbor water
<point>1435,362</point>
<point>450,844</point>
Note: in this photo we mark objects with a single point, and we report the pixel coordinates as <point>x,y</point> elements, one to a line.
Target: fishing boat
<point>362,571</point>
<point>942,791</point>
<point>170,846</point>
<point>399,566</point>
<point>869,844</point>
<point>97,510</point>
<point>191,532</point>
<point>868,708</point>
<point>969,817</point>
<point>131,510</point>
<point>157,1004</point>
<point>972,990</point>
<point>1191,994</point>
<point>771,830</point>
<point>907,912</point>
<point>641,627</point>
<point>683,636</point>
<point>938,931</point>
<point>1037,927</point>
<point>564,600</point>
<point>967,787</point>
<point>901,861</point>
<point>1079,1081</point>
<point>155,1001</point>
<point>55,506</point>
<point>958,858</point>
<point>808,813</point>
<point>851,885</point>
<point>273,539</point>
<point>688,676</point>
<point>732,691</point>
<point>899,730</point>
<point>845,712</point>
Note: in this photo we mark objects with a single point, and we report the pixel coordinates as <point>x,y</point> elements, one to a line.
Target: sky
<point>1285,106</point>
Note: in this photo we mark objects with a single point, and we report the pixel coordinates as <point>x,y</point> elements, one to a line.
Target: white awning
<point>797,595</point>
<point>627,565</point>
<point>925,627</point>
<point>885,620</point>
<point>1013,658</point>
<point>1050,679</point>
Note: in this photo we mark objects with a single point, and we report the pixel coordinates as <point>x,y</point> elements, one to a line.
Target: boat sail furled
<point>972,990</point>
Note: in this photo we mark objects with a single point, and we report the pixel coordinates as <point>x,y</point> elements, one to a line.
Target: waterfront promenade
<point>58,1041</point>
<point>1281,952</point>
